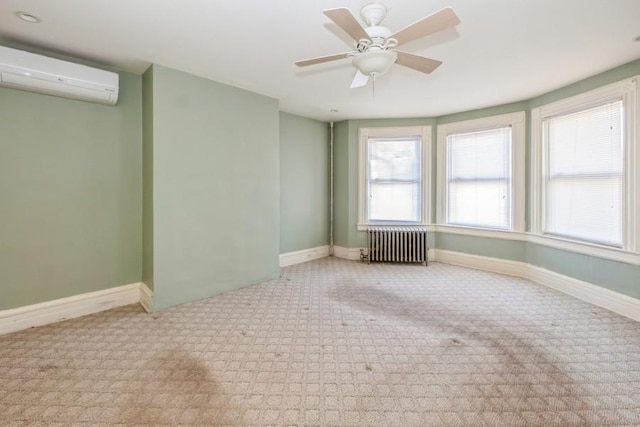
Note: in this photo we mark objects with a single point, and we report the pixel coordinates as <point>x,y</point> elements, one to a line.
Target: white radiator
<point>396,244</point>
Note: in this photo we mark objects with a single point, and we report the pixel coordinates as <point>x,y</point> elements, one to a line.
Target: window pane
<point>584,185</point>
<point>479,155</point>
<point>596,216</point>
<point>394,202</point>
<point>479,202</point>
<point>394,159</point>
<point>394,179</point>
<point>586,142</point>
<point>479,178</point>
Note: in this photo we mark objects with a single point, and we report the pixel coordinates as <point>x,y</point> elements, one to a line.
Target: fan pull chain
<point>373,86</point>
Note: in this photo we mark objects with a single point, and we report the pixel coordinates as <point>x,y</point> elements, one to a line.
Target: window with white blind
<point>393,175</point>
<point>481,177</point>
<point>583,180</point>
<point>584,168</point>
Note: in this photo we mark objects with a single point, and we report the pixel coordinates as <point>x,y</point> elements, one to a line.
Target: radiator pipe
<point>331,189</point>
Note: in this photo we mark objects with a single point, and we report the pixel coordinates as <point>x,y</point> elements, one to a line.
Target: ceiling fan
<point>374,52</point>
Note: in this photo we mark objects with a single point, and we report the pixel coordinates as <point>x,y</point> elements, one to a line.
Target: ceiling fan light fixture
<point>374,62</point>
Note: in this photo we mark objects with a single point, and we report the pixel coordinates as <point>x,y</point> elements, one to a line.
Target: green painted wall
<point>147,177</point>
<point>304,183</point>
<point>70,191</point>
<point>342,166</point>
<point>485,112</point>
<point>513,250</point>
<point>617,276</point>
<point>216,187</point>
<point>620,277</point>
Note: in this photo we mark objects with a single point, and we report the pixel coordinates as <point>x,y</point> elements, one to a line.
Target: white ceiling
<point>503,50</point>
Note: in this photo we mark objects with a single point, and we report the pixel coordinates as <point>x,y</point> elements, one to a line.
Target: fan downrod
<point>373,14</point>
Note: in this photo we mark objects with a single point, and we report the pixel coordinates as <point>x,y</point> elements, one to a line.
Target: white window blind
<point>394,179</point>
<point>584,185</point>
<point>479,178</point>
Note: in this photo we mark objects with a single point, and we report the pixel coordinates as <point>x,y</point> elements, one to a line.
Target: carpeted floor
<point>335,343</point>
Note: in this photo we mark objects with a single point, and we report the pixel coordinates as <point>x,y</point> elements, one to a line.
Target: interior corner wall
<point>70,191</point>
<point>304,183</point>
<point>147,177</point>
<point>216,187</point>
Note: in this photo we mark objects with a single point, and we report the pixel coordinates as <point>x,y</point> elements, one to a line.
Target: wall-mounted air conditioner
<point>37,73</point>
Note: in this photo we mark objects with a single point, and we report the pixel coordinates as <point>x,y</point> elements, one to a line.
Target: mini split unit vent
<point>37,73</point>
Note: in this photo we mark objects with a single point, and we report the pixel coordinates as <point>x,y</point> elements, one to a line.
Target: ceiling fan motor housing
<point>377,33</point>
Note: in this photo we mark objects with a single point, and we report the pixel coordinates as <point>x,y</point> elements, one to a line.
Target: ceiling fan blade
<point>418,63</point>
<point>359,80</point>
<point>349,24</point>
<point>433,23</point>
<point>321,59</point>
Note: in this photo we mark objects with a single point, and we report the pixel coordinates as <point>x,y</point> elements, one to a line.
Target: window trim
<point>517,123</point>
<point>424,134</point>
<point>627,90</point>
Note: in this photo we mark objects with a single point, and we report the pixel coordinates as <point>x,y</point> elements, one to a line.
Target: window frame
<point>514,120</point>
<point>627,91</point>
<point>424,135</point>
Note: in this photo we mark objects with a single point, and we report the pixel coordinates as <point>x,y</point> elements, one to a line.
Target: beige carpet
<point>334,343</point>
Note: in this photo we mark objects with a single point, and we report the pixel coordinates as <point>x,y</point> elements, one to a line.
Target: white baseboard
<point>352,254</point>
<point>298,257</point>
<point>597,295</point>
<point>146,297</point>
<point>29,316</point>
<point>496,265</point>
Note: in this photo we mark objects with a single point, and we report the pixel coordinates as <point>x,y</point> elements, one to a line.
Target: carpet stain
<point>179,380</point>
